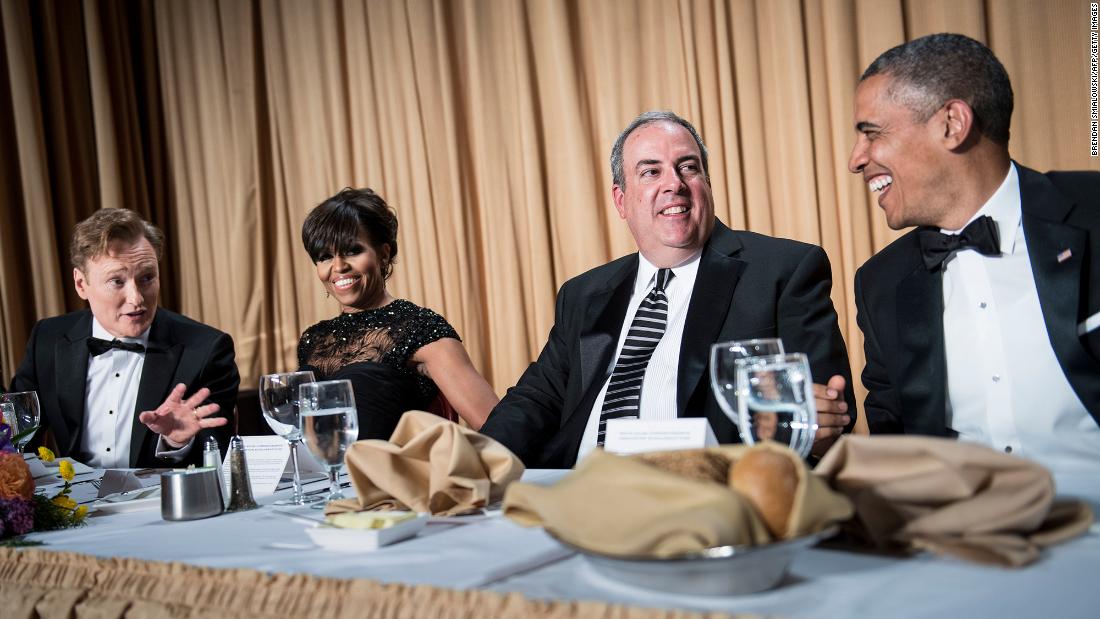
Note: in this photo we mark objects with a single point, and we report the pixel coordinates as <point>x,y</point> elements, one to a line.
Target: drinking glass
<point>24,414</point>
<point>775,401</point>
<point>279,403</point>
<point>329,424</point>
<point>723,381</point>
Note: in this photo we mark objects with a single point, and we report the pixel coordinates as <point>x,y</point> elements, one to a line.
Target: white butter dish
<point>358,540</point>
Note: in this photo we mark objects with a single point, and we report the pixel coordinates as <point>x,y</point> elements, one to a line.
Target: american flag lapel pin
<point>1065,255</point>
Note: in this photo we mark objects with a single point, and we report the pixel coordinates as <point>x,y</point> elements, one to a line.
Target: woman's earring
<point>327,293</point>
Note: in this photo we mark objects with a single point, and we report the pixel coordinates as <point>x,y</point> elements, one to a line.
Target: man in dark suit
<point>720,285</point>
<point>982,322</point>
<point>112,380</point>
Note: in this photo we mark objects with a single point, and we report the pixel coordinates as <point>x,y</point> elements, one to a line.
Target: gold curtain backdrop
<point>486,123</point>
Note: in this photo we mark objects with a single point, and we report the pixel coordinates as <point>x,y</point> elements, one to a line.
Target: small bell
<point>240,488</point>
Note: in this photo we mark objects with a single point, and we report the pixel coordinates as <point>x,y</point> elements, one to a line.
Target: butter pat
<point>368,520</point>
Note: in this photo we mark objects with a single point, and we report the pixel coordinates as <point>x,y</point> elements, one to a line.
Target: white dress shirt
<point>1005,386</point>
<point>109,403</point>
<point>658,398</point>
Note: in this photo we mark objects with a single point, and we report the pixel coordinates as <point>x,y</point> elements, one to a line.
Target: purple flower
<point>18,515</point>
<point>5,437</point>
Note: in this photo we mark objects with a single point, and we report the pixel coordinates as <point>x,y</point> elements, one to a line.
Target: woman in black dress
<point>397,355</point>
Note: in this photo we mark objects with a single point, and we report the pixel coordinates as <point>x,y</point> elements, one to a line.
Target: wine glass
<point>723,381</point>
<point>24,415</point>
<point>279,403</point>
<point>775,401</point>
<point>329,424</point>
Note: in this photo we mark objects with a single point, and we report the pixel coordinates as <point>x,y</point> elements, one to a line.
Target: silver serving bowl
<point>722,570</point>
<point>190,494</point>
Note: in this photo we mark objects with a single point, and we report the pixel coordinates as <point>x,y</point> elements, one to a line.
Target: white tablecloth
<point>499,555</point>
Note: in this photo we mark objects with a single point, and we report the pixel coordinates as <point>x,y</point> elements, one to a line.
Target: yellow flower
<point>64,501</point>
<point>66,470</point>
<point>45,455</point>
<point>81,511</point>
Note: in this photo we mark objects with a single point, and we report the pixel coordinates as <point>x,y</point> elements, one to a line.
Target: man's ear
<point>958,123</point>
<point>617,196</point>
<point>81,283</point>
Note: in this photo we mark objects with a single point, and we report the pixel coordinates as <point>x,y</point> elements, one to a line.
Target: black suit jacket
<point>900,306</point>
<point>748,286</point>
<point>180,351</point>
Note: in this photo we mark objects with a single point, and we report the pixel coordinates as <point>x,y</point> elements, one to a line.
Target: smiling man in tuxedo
<point>982,322</point>
<point>123,383</point>
<point>632,338</point>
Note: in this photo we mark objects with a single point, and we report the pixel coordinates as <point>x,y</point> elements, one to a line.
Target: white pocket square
<point>1090,324</point>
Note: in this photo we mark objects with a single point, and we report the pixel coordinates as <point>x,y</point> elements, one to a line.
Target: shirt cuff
<point>166,451</point>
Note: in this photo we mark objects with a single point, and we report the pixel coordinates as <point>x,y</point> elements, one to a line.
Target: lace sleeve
<point>306,344</point>
<point>421,328</point>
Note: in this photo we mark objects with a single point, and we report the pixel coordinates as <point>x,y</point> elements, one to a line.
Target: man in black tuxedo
<point>122,384</point>
<point>982,322</point>
<point>720,285</point>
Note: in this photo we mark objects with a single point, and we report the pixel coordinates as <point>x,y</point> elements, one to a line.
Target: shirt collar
<point>647,272</point>
<point>1004,207</point>
<point>99,331</point>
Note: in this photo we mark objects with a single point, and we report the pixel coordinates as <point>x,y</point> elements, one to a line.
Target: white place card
<point>266,457</point>
<point>629,436</point>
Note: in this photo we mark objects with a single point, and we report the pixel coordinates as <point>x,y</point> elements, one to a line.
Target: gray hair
<point>648,118</point>
<point>934,69</point>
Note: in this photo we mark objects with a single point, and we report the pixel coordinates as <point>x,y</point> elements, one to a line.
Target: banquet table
<point>492,553</point>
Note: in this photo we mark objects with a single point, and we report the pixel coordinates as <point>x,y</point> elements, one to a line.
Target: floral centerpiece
<point>21,510</point>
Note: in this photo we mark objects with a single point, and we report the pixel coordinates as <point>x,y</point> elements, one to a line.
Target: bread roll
<point>697,464</point>
<point>768,479</point>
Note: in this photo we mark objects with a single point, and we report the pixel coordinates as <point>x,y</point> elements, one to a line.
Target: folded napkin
<point>951,497</point>
<point>624,506</point>
<point>428,465</point>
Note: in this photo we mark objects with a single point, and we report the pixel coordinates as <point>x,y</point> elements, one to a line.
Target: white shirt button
<point>982,305</point>
<point>996,378</point>
<point>1008,449</point>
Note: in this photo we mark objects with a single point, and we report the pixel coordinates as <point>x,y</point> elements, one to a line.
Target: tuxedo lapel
<point>161,357</point>
<point>72,381</point>
<point>1057,252</point>
<point>715,281</point>
<point>603,321</point>
<point>922,360</point>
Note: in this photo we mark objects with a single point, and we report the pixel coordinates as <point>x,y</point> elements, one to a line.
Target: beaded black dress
<point>372,348</point>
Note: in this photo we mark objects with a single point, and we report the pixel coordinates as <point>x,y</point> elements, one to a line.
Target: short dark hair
<point>93,236</point>
<point>334,225</point>
<point>936,68</point>
<point>648,118</point>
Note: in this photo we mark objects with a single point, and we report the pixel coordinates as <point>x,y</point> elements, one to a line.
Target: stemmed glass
<point>723,381</point>
<point>279,403</point>
<point>775,401</point>
<point>24,414</point>
<point>330,425</point>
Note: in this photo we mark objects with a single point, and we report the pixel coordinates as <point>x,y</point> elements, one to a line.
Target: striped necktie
<point>624,392</point>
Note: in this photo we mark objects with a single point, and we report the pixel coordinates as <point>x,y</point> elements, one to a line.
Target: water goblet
<point>24,415</point>
<point>723,381</point>
<point>279,403</point>
<point>775,401</point>
<point>329,425</point>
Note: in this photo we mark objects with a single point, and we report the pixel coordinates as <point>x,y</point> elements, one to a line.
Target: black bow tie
<point>979,235</point>
<point>97,346</point>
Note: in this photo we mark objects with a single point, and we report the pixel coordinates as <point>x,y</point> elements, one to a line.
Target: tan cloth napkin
<point>951,497</point>
<point>428,465</point>
<point>622,506</point>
